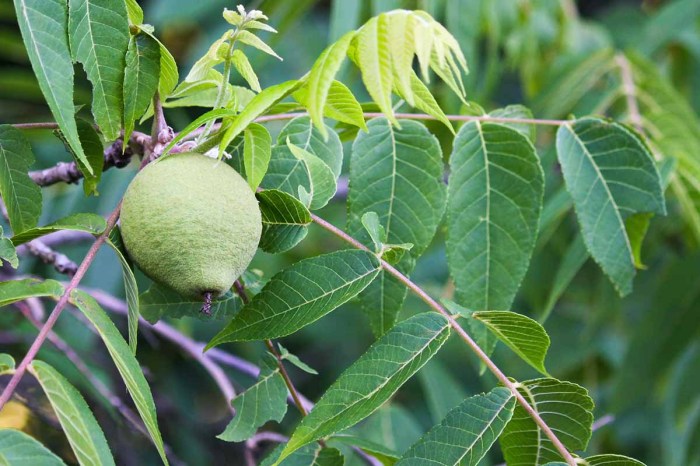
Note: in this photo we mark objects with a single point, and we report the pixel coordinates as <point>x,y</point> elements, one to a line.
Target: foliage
<point>483,205</point>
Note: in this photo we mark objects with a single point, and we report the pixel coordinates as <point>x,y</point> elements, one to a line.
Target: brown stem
<point>513,387</point>
<point>59,261</point>
<point>60,305</point>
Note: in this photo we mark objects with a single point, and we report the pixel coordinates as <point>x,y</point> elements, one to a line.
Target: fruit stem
<point>206,307</point>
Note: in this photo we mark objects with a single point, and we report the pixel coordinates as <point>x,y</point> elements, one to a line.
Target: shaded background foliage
<point>639,356</point>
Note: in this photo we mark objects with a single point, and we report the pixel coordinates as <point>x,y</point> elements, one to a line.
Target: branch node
<point>206,307</point>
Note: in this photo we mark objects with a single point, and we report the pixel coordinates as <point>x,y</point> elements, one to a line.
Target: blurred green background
<point>638,356</point>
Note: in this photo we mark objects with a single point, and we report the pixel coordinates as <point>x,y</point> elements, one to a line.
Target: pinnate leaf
<point>22,197</point>
<point>372,379</point>
<point>610,175</point>
<point>17,290</point>
<point>19,449</point>
<point>99,37</point>
<point>140,78</point>
<point>126,363</point>
<point>43,24</point>
<point>520,333</point>
<point>466,434</point>
<point>264,401</point>
<point>565,407</point>
<point>284,220</point>
<point>256,153</point>
<point>86,222</point>
<point>159,301</point>
<point>493,209</point>
<point>300,295</point>
<point>341,104</point>
<point>82,430</point>
<point>310,455</point>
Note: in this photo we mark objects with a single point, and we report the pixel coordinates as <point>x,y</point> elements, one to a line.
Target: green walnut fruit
<point>191,223</point>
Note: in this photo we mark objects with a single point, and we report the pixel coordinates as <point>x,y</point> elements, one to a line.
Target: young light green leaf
<point>133,9</point>
<point>256,107</point>
<point>251,39</point>
<point>612,460</point>
<point>341,104</point>
<point>7,251</point>
<point>575,256</point>
<point>244,68</point>
<point>493,209</point>
<point>130,286</point>
<point>519,112</point>
<point>321,78</point>
<point>466,434</point>
<point>524,336</point>
<point>256,153</point>
<point>87,222</point>
<point>264,401</point>
<point>300,295</point>
<point>397,173</point>
<point>101,50</point>
<point>17,290</point>
<point>7,363</point>
<point>424,100</point>
<point>284,220</point>
<point>126,363</point>
<point>140,78</point>
<point>610,175</point>
<point>636,227</point>
<point>199,121</point>
<point>322,180</point>
<point>302,133</point>
<point>43,24</point>
<point>82,430</point>
<point>19,449</point>
<point>294,359</point>
<point>159,301</point>
<point>565,407</point>
<point>22,197</point>
<point>375,230</point>
<point>372,379</point>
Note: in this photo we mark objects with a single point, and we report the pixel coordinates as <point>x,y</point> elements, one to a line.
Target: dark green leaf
<point>301,132</point>
<point>21,195</point>
<point>44,24</point>
<point>311,455</point>
<point>284,220</point>
<point>159,301</point>
<point>140,78</point>
<point>612,460</point>
<point>130,286</point>
<point>322,182</point>
<point>466,434</point>
<point>264,401</point>
<point>89,223</point>
<point>300,295</point>
<point>17,290</point>
<point>517,112</point>
<point>7,251</point>
<point>610,175</point>
<point>82,430</point>
<point>373,378</point>
<point>441,389</point>
<point>99,36</point>
<point>574,257</point>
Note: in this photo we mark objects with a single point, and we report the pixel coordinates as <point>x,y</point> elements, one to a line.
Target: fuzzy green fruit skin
<point>191,223</point>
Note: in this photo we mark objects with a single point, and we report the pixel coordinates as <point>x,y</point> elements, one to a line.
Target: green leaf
<point>300,295</point>
<point>481,334</point>
<point>44,24</point>
<point>397,173</point>
<point>286,173</point>
<point>99,37</point>
<point>341,104</point>
<point>17,290</point>
<point>259,105</point>
<point>19,449</point>
<point>21,195</point>
<point>321,78</point>
<point>519,112</point>
<point>375,230</point>
<point>126,363</point>
<point>322,180</point>
<point>199,121</point>
<point>441,389</point>
<point>168,69</point>
<point>294,359</point>
<point>251,39</point>
<point>494,200</point>
<point>134,11</point>
<point>89,223</point>
<point>524,336</point>
<point>264,401</point>
<point>7,363</point>
<point>256,153</point>
<point>159,301</point>
<point>94,152</point>
<point>284,221</point>
<point>467,432</point>
<point>386,456</point>
<point>140,78</point>
<point>565,407</point>
<point>574,257</point>
<point>424,100</point>
<point>7,251</point>
<point>82,430</point>
<point>240,61</point>
<point>131,288</point>
<point>310,455</point>
<point>610,175</point>
<point>373,378</point>
<point>302,133</point>
<point>612,460</point>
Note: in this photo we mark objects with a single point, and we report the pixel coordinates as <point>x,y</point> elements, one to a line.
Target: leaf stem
<point>226,76</point>
<point>60,305</point>
<point>425,297</point>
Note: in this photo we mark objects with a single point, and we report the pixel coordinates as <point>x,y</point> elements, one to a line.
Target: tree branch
<point>434,305</point>
<point>62,263</point>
